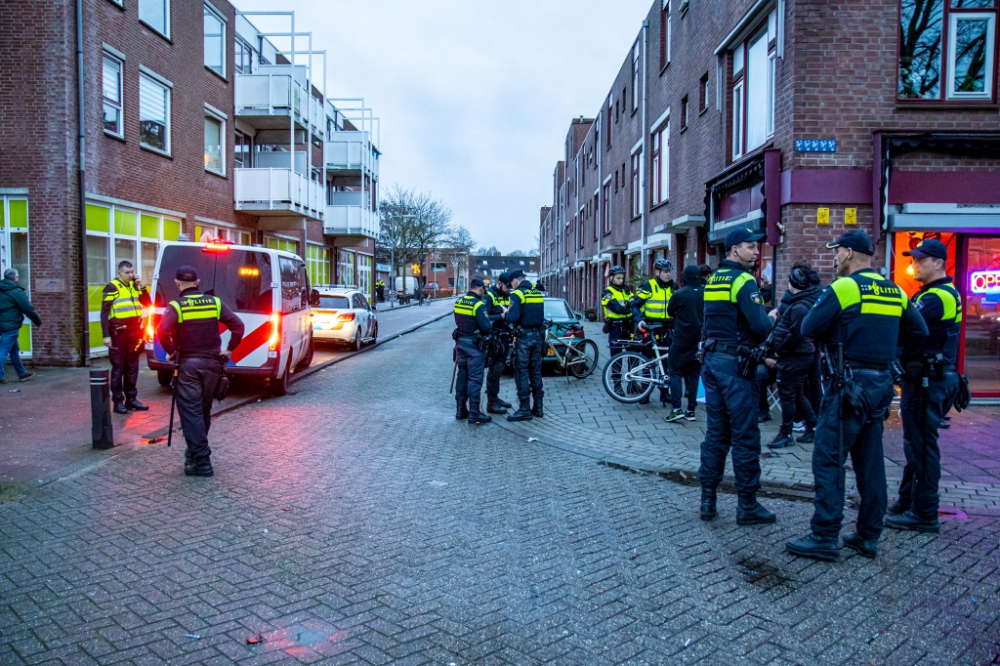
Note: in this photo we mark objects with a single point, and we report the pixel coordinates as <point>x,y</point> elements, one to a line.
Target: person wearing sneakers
<point>14,307</point>
<point>687,310</point>
<point>795,354</point>
<point>929,388</point>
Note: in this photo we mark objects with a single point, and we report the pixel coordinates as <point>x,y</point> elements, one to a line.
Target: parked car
<point>564,322</point>
<point>343,315</point>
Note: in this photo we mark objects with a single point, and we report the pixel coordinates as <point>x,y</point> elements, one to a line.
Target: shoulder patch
<point>755,297</point>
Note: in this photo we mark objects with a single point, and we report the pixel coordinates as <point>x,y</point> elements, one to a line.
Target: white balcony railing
<point>278,190</point>
<point>350,214</point>
<point>350,151</point>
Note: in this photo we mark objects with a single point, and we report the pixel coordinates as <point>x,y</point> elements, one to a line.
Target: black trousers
<point>469,382</point>
<point>863,442</point>
<point>793,376</point>
<point>922,411</point>
<point>529,368</point>
<point>196,382</point>
<point>495,366</point>
<point>619,330</point>
<point>731,406</point>
<point>687,373</point>
<point>124,355</point>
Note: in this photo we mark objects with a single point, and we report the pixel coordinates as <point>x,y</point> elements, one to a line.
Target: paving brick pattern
<point>356,522</point>
<point>581,416</point>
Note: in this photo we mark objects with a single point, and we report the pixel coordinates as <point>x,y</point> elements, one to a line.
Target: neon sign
<point>985,282</point>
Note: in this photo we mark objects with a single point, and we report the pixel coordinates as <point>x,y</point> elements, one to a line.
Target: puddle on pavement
<point>762,574</point>
<point>951,513</point>
<point>300,640</point>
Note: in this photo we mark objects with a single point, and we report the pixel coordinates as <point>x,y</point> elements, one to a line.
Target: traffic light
<point>415,268</point>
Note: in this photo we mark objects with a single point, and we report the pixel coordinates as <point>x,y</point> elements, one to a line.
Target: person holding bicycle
<point>649,308</point>
<point>497,301</point>
<point>618,318</point>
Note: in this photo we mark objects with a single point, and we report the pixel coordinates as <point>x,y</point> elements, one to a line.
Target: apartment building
<point>799,119</point>
<point>130,123</point>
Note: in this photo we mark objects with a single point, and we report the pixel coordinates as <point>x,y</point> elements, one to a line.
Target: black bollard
<point>100,409</point>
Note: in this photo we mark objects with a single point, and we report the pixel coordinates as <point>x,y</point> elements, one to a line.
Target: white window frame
<point>120,63</point>
<point>738,119</point>
<point>661,164</point>
<point>636,184</point>
<point>212,114</point>
<point>166,17</point>
<point>953,20</point>
<point>741,66</point>
<point>665,10</point>
<point>209,9</point>
<point>167,91</point>
<point>635,77</point>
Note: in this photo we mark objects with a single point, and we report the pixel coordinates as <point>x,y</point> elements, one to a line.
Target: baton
<point>454,369</point>
<point>173,402</point>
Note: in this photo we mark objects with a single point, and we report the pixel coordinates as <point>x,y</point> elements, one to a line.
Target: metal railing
<point>350,151</point>
<point>350,219</point>
<point>278,190</point>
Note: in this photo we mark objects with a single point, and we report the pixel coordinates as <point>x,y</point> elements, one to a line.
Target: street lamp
<point>392,250</point>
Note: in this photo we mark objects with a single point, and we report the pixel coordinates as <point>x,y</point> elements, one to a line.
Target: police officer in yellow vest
<point>649,308</point>
<point>527,316</point>
<point>472,327</point>
<point>860,317</point>
<point>189,332</point>
<point>617,303</point>
<point>929,387</point>
<point>121,326</point>
<point>497,301</point>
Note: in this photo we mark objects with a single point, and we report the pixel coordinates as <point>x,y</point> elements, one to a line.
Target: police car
<point>342,314</point>
<point>268,289</point>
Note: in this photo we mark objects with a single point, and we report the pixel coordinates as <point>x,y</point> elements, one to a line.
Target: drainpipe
<point>81,138</point>
<point>645,155</point>
<point>599,220</point>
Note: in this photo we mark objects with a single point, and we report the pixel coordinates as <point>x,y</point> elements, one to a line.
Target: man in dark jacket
<point>794,357</point>
<point>687,309</point>
<point>14,307</point>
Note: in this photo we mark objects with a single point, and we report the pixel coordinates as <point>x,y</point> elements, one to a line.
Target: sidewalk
<point>45,422</point>
<point>580,416</point>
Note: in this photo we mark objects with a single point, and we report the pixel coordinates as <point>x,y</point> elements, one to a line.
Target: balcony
<point>350,153</point>
<point>274,94</point>
<point>350,214</point>
<point>278,192</point>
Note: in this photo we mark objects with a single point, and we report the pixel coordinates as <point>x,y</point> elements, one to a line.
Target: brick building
<point>488,267</point>
<point>801,119</point>
<point>190,121</point>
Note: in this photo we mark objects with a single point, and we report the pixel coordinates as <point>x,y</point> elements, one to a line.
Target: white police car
<point>343,315</point>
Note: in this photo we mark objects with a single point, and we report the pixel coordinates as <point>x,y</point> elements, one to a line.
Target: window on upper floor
<point>684,112</point>
<point>215,143</point>
<point>947,50</point>
<point>660,177</point>
<point>752,85</point>
<point>215,41</point>
<point>665,30</point>
<point>637,183</point>
<point>156,14</point>
<point>606,208</point>
<point>244,151</point>
<point>154,114</point>
<point>607,130</point>
<point>243,59</point>
<point>703,93</point>
<point>112,86</point>
<point>635,76</point>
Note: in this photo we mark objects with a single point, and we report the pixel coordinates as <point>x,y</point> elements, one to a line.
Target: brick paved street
<point>357,522</point>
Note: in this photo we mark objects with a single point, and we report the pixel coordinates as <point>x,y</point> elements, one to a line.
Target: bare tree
<point>490,251</point>
<point>412,224</point>
<point>461,243</point>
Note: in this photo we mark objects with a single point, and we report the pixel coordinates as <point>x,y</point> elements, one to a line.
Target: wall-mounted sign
<point>823,216</point>
<point>984,282</point>
<point>815,145</point>
<point>851,217</point>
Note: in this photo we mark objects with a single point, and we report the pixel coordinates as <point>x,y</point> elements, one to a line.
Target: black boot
<point>136,405</point>
<point>808,437</point>
<point>708,510</point>
<point>816,547</point>
<point>199,468</point>
<point>503,403</point>
<point>478,418</point>
<point>537,409</point>
<point>909,521</point>
<point>523,413</point>
<point>898,507</point>
<point>494,407</point>
<point>750,512</point>
<point>864,547</point>
<point>188,458</point>
<point>780,441</point>
<point>120,408</point>
<point>462,411</point>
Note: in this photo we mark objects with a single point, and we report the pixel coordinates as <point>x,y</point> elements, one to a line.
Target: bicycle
<point>576,356</point>
<point>631,376</point>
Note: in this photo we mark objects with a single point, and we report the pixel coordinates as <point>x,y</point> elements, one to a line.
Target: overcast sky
<point>475,97</point>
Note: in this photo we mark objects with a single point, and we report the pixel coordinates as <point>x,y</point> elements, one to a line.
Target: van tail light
<point>151,324</point>
<point>349,316</point>
<point>275,340</point>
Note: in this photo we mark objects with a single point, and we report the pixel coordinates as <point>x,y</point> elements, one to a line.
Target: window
<point>579,231</point>
<point>112,85</point>
<point>608,130</point>
<point>365,275</point>
<point>661,164</point>
<point>596,208</point>
<point>318,263</point>
<point>606,209</point>
<point>703,92</point>
<point>156,14</point>
<point>154,114</point>
<point>753,88</point>
<point>635,77</point>
<point>665,26</point>
<point>244,151</point>
<point>961,31</point>
<point>243,58</point>
<point>215,149</point>
<point>684,113</point>
<point>215,42</point>
<point>345,267</point>
<point>637,183</point>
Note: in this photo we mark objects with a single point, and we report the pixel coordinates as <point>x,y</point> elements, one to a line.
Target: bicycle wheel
<point>584,366</point>
<point>629,377</point>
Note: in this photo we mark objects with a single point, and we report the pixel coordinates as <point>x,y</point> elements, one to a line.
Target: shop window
<point>14,253</point>
<point>365,274</point>
<point>947,50</point>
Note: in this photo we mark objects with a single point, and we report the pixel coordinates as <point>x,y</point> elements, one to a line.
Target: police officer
<point>497,300</point>
<point>923,404</point>
<point>189,333</point>
<point>859,318</point>
<point>527,316</point>
<point>471,328</point>
<point>616,301</point>
<point>649,308</point>
<point>121,325</point>
<point>735,321</point>
<point>380,291</point>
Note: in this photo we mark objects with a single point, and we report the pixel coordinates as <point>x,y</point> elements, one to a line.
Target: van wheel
<point>356,345</point>
<point>280,385</point>
<point>164,377</point>
<point>308,358</point>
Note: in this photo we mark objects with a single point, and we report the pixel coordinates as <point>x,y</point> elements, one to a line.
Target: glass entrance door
<point>982,316</point>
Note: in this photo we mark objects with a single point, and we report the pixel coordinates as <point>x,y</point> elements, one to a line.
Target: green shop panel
<point>18,213</point>
<point>150,227</point>
<point>171,229</point>
<point>24,338</point>
<point>124,223</point>
<point>96,335</point>
<point>98,218</point>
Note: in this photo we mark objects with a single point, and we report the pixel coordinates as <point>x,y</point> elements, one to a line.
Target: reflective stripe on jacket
<point>124,301</point>
<point>619,296</point>
<point>654,300</point>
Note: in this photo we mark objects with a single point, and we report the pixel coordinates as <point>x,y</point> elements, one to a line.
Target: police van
<point>268,289</point>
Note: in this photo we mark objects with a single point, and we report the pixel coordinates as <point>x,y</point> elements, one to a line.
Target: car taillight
<point>275,340</point>
<point>578,332</point>
<point>349,316</point>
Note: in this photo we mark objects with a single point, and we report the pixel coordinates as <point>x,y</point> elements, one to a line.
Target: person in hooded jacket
<point>14,307</point>
<point>814,384</point>
<point>795,357</point>
<point>687,309</point>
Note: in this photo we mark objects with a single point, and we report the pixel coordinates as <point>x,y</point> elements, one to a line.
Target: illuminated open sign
<point>985,282</point>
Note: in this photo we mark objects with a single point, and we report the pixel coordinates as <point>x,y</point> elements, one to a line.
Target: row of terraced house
<point>125,124</point>
<point>799,119</point>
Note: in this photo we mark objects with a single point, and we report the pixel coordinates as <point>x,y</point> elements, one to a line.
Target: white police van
<point>269,291</point>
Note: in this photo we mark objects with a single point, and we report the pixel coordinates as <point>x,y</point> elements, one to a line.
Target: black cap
<point>800,278</point>
<point>476,282</point>
<point>741,235</point>
<point>187,274</point>
<point>856,240</point>
<point>516,273</point>
<point>929,247</point>
<point>504,277</point>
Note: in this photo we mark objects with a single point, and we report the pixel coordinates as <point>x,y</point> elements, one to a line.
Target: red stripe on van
<point>259,337</point>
